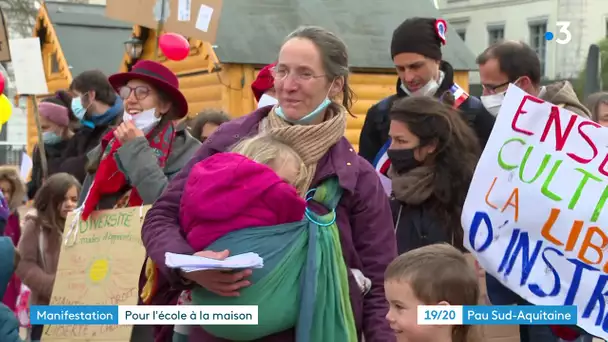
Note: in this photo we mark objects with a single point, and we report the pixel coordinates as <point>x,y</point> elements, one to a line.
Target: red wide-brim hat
<point>158,76</point>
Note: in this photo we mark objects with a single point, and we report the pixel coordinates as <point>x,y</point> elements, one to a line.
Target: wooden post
<point>41,149</point>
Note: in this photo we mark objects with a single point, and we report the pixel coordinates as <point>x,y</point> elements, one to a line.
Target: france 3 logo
<point>564,36</point>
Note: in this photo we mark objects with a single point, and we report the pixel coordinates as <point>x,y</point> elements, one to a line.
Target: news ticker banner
<point>143,315</point>
<point>248,315</point>
<point>497,315</point>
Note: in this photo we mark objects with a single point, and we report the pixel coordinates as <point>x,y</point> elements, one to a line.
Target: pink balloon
<point>2,81</point>
<point>174,46</point>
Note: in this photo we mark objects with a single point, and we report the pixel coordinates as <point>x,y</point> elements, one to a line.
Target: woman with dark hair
<point>206,122</point>
<point>58,124</point>
<point>433,155</point>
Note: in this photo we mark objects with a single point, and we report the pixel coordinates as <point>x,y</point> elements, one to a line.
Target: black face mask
<point>402,160</point>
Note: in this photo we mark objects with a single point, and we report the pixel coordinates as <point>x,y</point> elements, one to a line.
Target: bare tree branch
<point>20,16</point>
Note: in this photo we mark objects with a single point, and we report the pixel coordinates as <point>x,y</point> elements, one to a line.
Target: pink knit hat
<point>54,113</point>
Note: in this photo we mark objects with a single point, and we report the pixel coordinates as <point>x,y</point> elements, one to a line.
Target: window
<point>539,43</point>
<point>495,34</point>
<point>54,63</point>
<point>462,34</point>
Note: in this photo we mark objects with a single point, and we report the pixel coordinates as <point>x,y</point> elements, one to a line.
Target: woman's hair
<point>10,174</point>
<point>593,104</point>
<point>212,116</point>
<point>438,273</point>
<point>266,149</point>
<point>51,195</point>
<point>454,158</point>
<point>334,55</point>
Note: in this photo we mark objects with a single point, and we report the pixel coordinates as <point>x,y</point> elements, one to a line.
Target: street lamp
<point>134,48</point>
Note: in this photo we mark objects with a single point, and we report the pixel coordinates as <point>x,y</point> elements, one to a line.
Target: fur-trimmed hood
<point>11,174</point>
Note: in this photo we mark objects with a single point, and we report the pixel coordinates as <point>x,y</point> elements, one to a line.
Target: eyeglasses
<point>280,74</point>
<point>141,92</point>
<point>492,88</point>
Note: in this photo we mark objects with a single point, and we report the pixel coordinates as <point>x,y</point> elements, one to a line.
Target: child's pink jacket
<point>228,192</point>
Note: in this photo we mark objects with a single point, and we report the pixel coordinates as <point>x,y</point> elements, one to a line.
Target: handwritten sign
<point>102,267</point>
<point>535,216</point>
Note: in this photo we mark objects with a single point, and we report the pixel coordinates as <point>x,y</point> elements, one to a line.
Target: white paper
<point>160,13</point>
<point>27,65</point>
<point>26,165</point>
<point>191,263</point>
<point>204,18</point>
<point>183,10</point>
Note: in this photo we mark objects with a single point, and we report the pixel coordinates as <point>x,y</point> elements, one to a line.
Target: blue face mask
<point>77,108</point>
<point>51,138</point>
<point>310,116</point>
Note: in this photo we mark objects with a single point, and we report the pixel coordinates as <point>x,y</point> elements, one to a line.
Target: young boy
<point>432,275</point>
<point>9,259</point>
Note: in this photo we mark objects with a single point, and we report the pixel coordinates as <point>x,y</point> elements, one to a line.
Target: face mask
<point>429,89</point>
<point>493,102</point>
<point>144,121</point>
<point>267,100</point>
<point>77,108</point>
<point>50,138</point>
<point>309,117</point>
<point>402,160</point>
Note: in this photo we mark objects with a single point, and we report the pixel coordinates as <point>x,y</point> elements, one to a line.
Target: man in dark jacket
<point>416,53</point>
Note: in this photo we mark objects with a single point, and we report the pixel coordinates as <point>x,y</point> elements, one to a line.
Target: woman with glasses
<point>136,159</point>
<point>311,84</point>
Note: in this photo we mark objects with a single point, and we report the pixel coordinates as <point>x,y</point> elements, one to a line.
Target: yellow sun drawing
<point>99,270</point>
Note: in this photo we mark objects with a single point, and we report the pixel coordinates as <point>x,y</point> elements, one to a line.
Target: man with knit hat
<point>263,87</point>
<point>416,53</point>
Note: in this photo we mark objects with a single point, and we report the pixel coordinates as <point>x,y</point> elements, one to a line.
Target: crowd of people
<point>219,185</point>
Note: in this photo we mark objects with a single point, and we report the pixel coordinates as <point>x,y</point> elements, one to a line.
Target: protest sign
<point>534,216</point>
<point>99,264</point>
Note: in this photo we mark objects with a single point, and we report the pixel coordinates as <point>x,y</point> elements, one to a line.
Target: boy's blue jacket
<point>9,325</point>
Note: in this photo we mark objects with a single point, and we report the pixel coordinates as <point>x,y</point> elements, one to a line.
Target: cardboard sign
<point>197,19</point>
<point>5,51</point>
<point>99,264</point>
<point>535,216</point>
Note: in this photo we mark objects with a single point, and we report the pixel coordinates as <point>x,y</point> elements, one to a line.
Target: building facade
<point>482,22</point>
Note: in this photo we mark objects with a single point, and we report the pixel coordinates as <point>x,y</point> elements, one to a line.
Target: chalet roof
<point>88,39</point>
<point>251,32</point>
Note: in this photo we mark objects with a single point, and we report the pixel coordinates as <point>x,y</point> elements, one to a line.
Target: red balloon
<point>174,46</point>
<point>2,81</point>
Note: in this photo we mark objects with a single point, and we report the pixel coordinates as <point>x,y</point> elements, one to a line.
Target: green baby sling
<point>304,281</point>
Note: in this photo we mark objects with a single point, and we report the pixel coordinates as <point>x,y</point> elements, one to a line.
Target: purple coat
<point>364,219</point>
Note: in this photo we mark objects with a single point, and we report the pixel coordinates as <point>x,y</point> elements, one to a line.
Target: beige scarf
<point>310,141</point>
